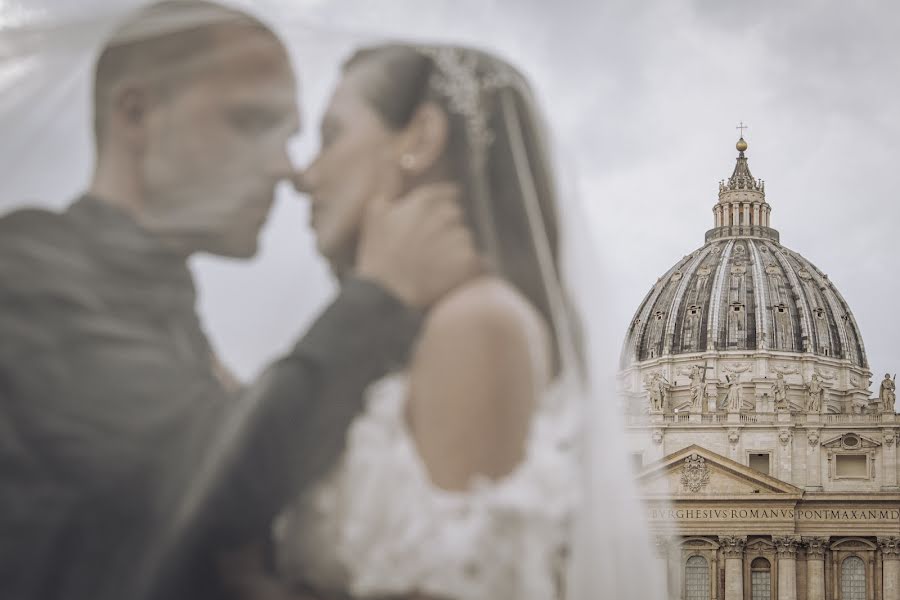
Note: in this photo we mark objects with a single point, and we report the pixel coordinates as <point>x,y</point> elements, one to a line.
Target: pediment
<point>851,441</point>
<point>698,472</point>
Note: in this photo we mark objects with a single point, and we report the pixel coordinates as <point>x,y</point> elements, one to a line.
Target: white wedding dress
<point>378,527</point>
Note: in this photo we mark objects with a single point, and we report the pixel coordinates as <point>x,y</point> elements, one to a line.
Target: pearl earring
<point>407,161</point>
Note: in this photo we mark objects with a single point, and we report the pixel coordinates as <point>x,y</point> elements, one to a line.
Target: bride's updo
<point>495,150</point>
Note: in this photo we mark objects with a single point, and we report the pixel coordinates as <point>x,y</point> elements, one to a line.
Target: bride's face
<point>357,161</point>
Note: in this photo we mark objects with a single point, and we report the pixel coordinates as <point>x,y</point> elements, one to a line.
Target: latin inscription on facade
<point>773,514</point>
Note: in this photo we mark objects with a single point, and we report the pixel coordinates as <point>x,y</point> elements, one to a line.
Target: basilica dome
<point>743,291</point>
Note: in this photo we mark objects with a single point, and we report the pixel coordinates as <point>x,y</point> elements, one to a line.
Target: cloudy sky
<point>643,99</point>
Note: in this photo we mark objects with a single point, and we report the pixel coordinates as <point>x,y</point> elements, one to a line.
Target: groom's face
<point>217,147</point>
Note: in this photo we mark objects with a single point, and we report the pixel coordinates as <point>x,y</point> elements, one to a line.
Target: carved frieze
<point>694,473</point>
<point>824,373</point>
<point>786,369</point>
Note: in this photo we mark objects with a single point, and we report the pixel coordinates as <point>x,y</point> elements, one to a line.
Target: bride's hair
<point>404,80</point>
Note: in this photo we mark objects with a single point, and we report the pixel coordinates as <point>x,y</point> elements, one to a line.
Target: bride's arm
<point>474,382</point>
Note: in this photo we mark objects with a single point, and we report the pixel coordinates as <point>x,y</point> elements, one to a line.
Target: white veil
<point>47,51</point>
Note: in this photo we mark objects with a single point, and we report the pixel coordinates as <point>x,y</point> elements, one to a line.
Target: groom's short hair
<point>164,45</point>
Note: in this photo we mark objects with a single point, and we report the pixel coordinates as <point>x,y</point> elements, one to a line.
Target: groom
<point>126,463</point>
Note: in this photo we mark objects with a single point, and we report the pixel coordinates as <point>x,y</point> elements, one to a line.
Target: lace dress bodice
<point>378,527</point>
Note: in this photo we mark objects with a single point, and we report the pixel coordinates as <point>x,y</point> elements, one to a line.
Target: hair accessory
<point>457,77</point>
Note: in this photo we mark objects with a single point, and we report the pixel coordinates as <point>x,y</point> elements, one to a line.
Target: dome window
<point>820,312</point>
<point>780,308</point>
<point>693,310</point>
<point>659,315</point>
<point>737,307</point>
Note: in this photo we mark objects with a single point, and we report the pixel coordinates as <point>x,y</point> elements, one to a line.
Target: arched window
<point>696,578</point>
<point>760,579</point>
<point>853,579</point>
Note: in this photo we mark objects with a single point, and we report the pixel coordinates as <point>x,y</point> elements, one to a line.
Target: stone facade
<point>767,467</point>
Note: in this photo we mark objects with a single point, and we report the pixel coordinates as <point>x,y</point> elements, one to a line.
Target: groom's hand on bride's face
<point>418,246</point>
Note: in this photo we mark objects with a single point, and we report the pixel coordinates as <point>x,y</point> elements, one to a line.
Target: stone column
<point>661,554</point>
<point>890,565</point>
<point>786,546</point>
<point>733,552</point>
<point>815,567</point>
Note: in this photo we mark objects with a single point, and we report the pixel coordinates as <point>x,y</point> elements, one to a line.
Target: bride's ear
<point>425,139</point>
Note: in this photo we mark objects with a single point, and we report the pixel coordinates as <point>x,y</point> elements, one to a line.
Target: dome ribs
<point>762,303</point>
<point>716,301</point>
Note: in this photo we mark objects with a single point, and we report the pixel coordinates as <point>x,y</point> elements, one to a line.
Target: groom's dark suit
<point>117,437</point>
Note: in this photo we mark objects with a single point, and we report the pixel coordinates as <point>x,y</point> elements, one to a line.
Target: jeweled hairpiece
<point>457,77</point>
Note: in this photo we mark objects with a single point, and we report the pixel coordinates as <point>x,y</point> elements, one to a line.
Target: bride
<point>460,479</point>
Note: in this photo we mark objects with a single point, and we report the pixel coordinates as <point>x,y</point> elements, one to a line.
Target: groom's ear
<point>425,138</point>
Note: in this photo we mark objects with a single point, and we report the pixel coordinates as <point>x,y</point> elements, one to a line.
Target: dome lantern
<point>742,209</point>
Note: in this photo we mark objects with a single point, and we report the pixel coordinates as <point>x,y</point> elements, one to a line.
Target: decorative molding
<point>844,442</point>
<point>812,436</point>
<point>815,547</point>
<point>732,545</point>
<point>738,367</point>
<point>786,545</point>
<point>786,369</point>
<point>694,473</point>
<point>657,436</point>
<point>890,547</point>
<point>825,373</point>
<point>784,436</point>
<point>734,435</point>
<point>760,546</point>
<point>890,436</point>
